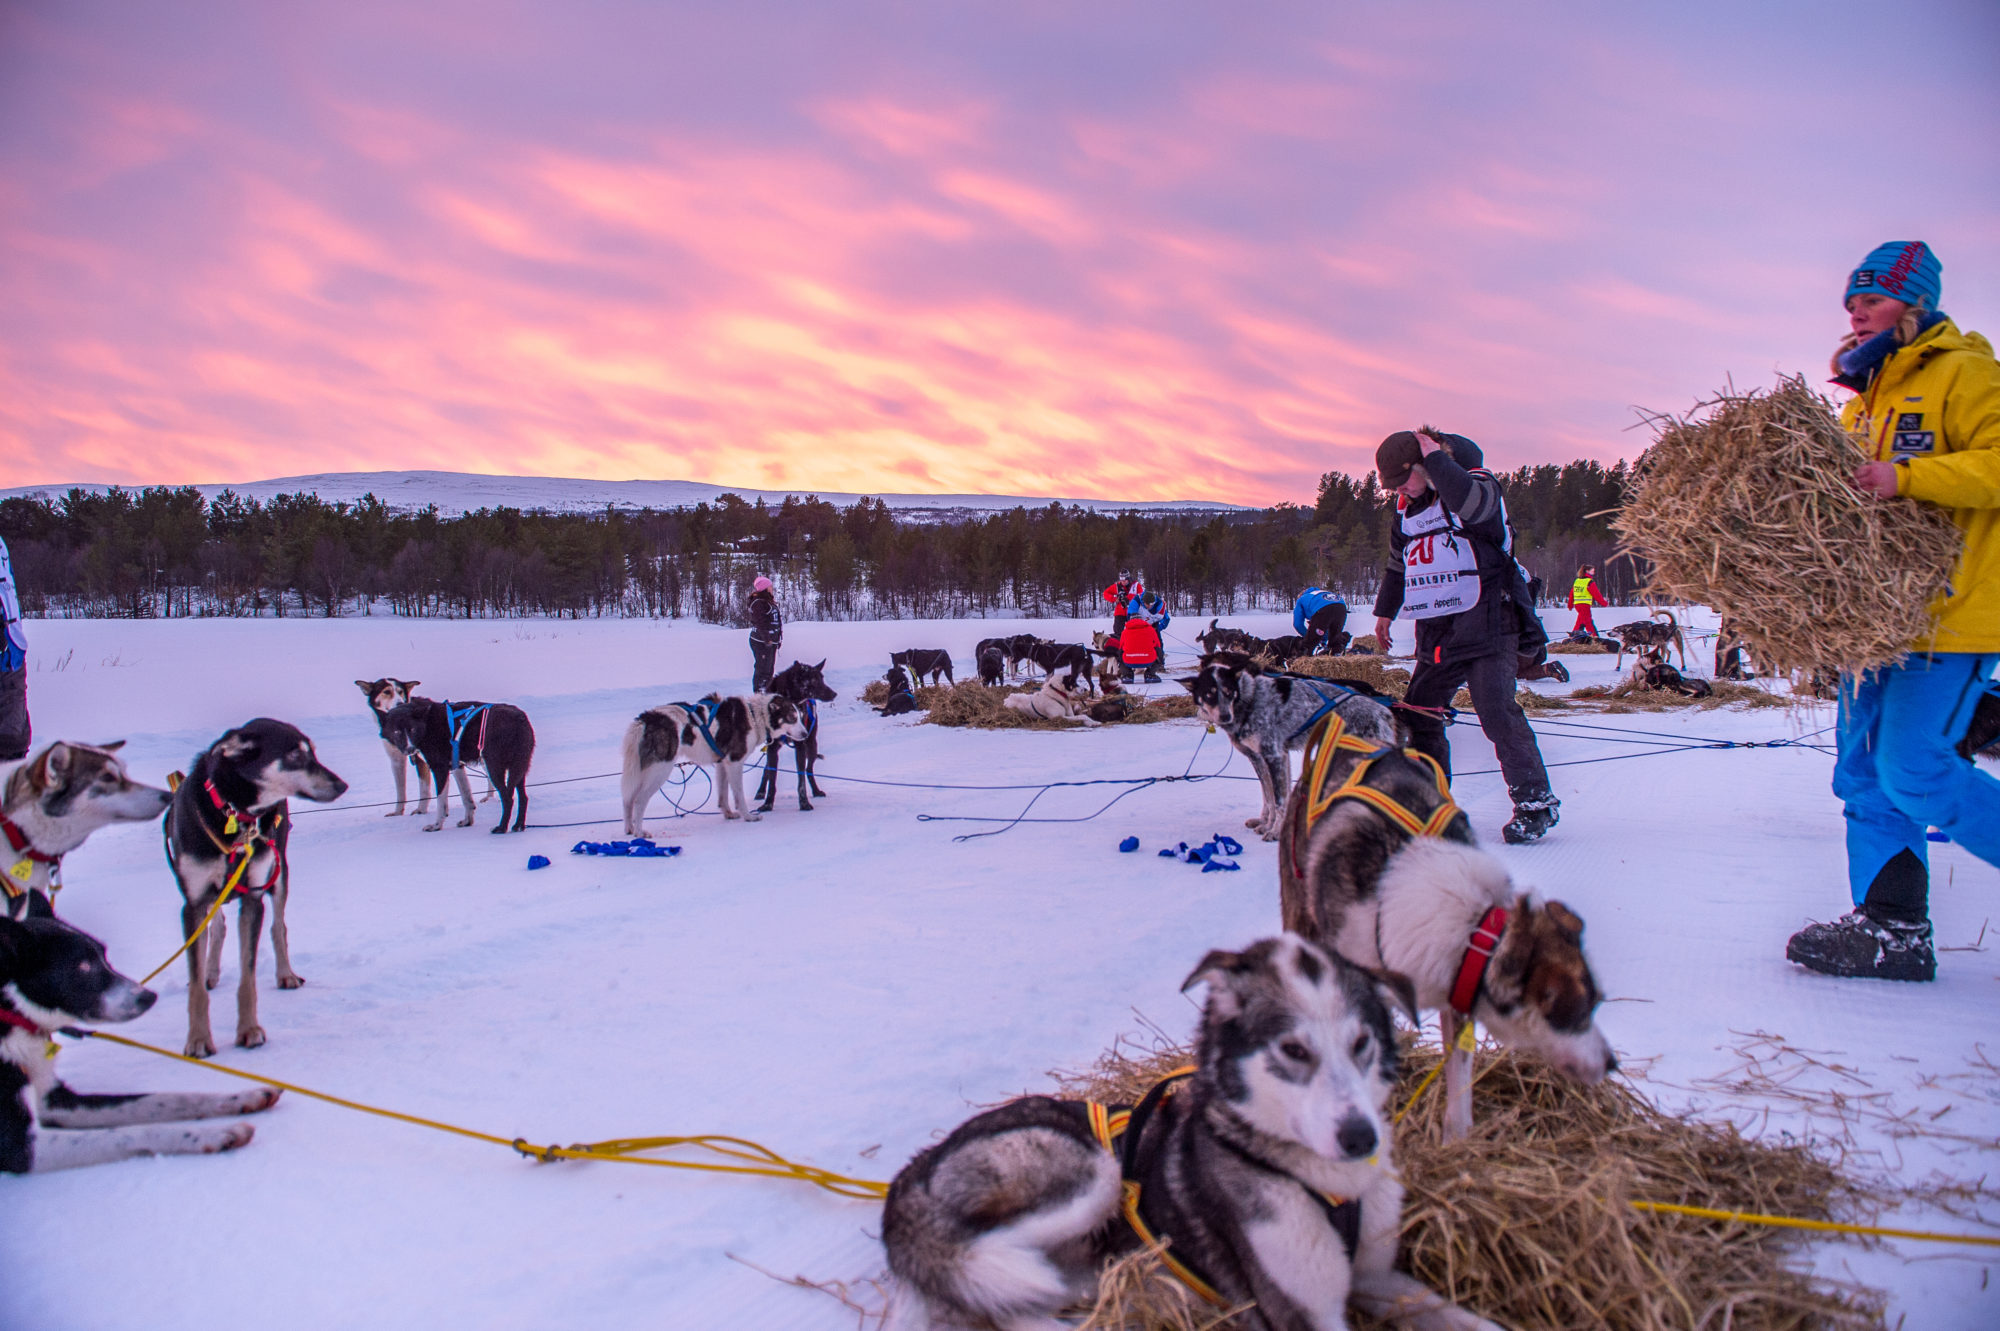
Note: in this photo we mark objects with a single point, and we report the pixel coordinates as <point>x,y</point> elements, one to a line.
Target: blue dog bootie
<point>1128,845</point>
<point>538,861</point>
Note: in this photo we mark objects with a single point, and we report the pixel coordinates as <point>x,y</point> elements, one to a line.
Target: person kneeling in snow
<point>1139,644</point>
<point>1320,617</point>
<point>1929,403</point>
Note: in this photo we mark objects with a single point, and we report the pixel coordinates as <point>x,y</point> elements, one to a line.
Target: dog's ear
<point>1399,991</point>
<point>1189,684</point>
<point>409,684</point>
<point>49,767</point>
<point>235,744</point>
<point>112,746</point>
<point>366,686</point>
<point>1565,919</point>
<point>1214,969</point>
<point>40,907</point>
<point>821,665</point>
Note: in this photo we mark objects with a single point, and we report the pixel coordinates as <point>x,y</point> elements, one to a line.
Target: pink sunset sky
<point>1148,250</point>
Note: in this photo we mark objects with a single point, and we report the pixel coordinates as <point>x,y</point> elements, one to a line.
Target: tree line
<point>166,551</point>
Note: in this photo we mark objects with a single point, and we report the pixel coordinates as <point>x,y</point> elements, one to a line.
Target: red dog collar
<point>11,1018</point>
<point>1478,953</point>
<point>19,841</point>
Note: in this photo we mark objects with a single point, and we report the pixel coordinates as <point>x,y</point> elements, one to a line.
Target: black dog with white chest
<point>54,976</point>
<point>230,822</point>
<point>449,737</point>
<point>804,686</point>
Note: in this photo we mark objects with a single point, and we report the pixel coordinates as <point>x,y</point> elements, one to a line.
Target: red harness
<point>15,1019</point>
<point>22,847</point>
<point>238,823</point>
<point>1478,955</point>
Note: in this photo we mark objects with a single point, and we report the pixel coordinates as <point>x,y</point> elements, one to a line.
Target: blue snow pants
<point>1899,769</point>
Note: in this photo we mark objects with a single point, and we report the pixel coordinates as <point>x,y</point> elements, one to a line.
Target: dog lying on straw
<point>1056,700</point>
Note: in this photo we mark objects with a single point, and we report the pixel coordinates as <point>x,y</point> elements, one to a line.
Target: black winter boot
<point>1861,944</point>
<point>1536,810</point>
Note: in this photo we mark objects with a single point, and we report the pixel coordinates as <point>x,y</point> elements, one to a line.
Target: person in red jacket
<point>1139,643</point>
<point>1583,594</point>
<point>1121,595</point>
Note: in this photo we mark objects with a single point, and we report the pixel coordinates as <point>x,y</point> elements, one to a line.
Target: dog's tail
<point>1667,615</point>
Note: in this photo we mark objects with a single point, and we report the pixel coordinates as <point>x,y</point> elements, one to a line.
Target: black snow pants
<point>763,664</point>
<point>15,733</point>
<point>1491,680</point>
<point>1324,626</point>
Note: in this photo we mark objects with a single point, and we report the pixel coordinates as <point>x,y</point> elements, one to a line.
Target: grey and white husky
<point>1267,716</point>
<point>52,803</point>
<point>1268,1171</point>
<point>716,732</point>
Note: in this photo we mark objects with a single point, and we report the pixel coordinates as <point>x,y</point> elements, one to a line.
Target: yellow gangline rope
<point>761,1160</point>
<point>228,888</point>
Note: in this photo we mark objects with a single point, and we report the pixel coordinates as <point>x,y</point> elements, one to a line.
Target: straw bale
<point>1374,671</point>
<point>1744,504</point>
<point>979,707</point>
<point>1365,645</point>
<point>1526,1221</point>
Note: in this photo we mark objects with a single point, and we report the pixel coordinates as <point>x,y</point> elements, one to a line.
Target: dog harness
<point>456,720</point>
<point>1478,956</point>
<point>702,716</point>
<point>22,871</point>
<point>245,836</point>
<point>1119,1130</point>
<point>809,712</point>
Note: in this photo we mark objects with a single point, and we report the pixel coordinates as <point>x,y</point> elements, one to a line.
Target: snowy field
<point>843,984</point>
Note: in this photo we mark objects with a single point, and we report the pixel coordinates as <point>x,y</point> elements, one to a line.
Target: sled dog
<point>449,737</point>
<point>1267,1170</point>
<point>716,732</point>
<point>53,976</point>
<point>232,807</point>
<point>1266,716</point>
<point>52,803</point>
<point>1642,634</point>
<point>921,661</point>
<point>902,693</point>
<point>1057,700</point>
<point>805,686</point>
<point>384,696</point>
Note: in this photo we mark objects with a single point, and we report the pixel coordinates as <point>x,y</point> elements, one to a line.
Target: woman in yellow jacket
<point>1928,403</point>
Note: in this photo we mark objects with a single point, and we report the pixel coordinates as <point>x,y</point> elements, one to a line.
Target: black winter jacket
<point>1494,625</point>
<point>767,625</point>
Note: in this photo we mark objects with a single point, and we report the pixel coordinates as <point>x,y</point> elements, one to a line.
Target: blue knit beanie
<point>1904,270</point>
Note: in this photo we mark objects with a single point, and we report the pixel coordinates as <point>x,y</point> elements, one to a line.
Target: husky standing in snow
<point>1268,1171</point>
<point>716,732</point>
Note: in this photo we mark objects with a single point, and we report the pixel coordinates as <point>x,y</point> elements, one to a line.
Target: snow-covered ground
<point>841,985</point>
<point>456,492</point>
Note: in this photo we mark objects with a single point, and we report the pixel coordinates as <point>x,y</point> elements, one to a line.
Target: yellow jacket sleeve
<point>1969,475</point>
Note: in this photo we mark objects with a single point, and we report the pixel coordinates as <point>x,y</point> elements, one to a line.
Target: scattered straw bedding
<point>1526,1221</point>
<point>982,708</point>
<point>1628,696</point>
<point>1744,504</point>
<point>1595,647</point>
<point>1374,671</point>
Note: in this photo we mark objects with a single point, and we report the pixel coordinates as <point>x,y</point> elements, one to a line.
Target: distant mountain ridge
<point>456,492</point>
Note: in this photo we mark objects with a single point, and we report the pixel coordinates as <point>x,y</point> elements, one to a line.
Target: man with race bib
<point>1454,575</point>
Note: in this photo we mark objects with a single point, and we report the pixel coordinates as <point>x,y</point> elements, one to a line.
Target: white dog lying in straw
<point>1056,700</point>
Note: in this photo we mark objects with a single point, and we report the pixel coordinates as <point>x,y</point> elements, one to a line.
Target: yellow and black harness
<point>1120,1129</point>
<point>1329,741</point>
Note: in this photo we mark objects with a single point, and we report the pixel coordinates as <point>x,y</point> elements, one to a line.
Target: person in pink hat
<point>767,632</point>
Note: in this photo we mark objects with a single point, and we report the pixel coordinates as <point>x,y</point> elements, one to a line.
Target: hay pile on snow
<point>1744,504</point>
<point>1630,696</point>
<point>1527,1221</point>
<point>975,705</point>
<point>1374,671</point>
<point>1594,647</point>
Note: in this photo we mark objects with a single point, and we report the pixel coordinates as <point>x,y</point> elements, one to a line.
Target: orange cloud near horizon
<point>1239,280</point>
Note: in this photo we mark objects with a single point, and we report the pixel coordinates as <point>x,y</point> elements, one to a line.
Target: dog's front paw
<point>200,1046</point>
<point>466,821</point>
<point>250,1037</point>
<point>394,813</point>
<point>256,1102</point>
<point>211,980</point>
<point>432,827</point>
<point>1255,824</point>
<point>753,817</point>
<point>500,830</point>
<point>291,981</point>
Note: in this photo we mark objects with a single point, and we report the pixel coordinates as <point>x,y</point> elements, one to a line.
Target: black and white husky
<point>52,803</point>
<point>443,737</point>
<point>716,732</point>
<point>54,976</point>
<point>384,696</point>
<point>1268,1172</point>
<point>232,806</point>
<point>1267,716</point>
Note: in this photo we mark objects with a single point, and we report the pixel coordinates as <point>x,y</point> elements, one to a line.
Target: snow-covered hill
<point>457,492</point>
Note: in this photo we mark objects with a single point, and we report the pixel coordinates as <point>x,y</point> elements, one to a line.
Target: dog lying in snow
<point>54,976</point>
<point>1268,1171</point>
<point>1057,700</point>
<point>716,732</point>
<point>52,803</point>
<point>233,805</point>
<point>1651,671</point>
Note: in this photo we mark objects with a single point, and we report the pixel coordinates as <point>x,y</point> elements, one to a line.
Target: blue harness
<point>1327,704</point>
<point>456,719</point>
<point>702,714</point>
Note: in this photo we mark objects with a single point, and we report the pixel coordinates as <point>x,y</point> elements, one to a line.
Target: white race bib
<point>1440,570</point>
